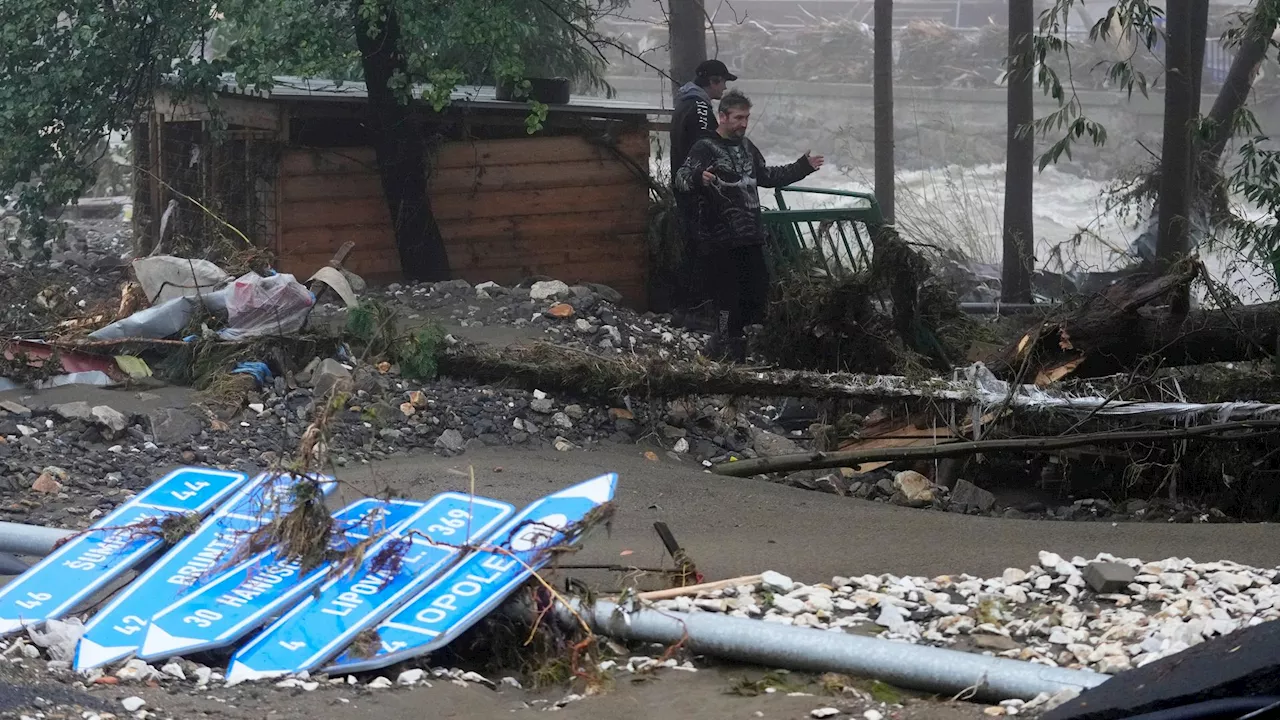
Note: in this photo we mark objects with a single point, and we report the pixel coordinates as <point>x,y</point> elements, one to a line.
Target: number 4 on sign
<point>292,646</point>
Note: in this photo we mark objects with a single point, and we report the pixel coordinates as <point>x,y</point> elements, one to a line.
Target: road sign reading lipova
<point>92,560</point>
<point>475,586</point>
<point>322,624</point>
<point>244,598</point>
<point>118,629</point>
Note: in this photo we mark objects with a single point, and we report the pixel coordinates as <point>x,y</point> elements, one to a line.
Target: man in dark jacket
<point>720,178</point>
<point>693,118</point>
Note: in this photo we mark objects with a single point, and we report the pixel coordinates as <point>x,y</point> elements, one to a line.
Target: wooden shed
<point>294,170</point>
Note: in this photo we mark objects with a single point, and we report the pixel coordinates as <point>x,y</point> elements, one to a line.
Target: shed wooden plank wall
<point>508,209</point>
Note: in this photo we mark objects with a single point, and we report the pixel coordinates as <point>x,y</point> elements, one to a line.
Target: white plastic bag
<point>273,305</point>
<point>165,277</point>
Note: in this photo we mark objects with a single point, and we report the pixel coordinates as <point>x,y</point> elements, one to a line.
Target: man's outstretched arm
<point>783,175</point>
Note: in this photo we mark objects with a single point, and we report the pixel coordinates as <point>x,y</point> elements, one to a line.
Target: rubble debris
<point>165,277</point>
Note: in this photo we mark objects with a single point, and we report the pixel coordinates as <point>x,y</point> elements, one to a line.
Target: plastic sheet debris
<point>259,370</point>
<point>165,277</point>
<point>133,366</point>
<point>76,366</point>
<point>254,305</point>
<point>273,305</point>
<point>164,320</point>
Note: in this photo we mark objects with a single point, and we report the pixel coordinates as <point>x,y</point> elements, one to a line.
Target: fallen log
<point>853,458</point>
<point>551,367</point>
<point>1118,331</point>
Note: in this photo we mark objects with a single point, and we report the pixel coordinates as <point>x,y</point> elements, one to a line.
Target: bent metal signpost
<point>117,630</point>
<point>322,624</point>
<point>114,545</point>
<point>241,600</point>
<point>474,587</point>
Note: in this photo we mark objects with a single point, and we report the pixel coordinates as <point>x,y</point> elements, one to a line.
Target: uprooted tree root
<point>304,534</point>
<point>834,323</point>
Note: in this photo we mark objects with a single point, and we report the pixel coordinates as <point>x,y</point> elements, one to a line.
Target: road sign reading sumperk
<point>92,560</point>
<point>242,599</point>
<point>118,629</point>
<point>475,586</point>
<point>322,624</point>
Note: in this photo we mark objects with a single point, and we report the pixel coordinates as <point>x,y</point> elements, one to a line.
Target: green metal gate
<point>837,239</point>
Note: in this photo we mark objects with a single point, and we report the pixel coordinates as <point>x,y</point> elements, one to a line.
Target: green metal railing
<point>838,238</point>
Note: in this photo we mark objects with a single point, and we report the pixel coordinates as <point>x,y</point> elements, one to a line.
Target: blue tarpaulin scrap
<point>258,370</point>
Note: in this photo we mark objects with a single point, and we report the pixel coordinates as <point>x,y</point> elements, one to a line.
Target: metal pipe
<point>916,667</point>
<point>21,539</point>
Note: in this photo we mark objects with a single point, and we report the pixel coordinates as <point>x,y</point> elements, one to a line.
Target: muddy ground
<point>730,527</point>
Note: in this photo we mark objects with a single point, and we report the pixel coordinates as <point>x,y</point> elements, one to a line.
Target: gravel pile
<point>1107,615</point>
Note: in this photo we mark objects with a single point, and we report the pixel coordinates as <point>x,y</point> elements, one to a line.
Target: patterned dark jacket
<point>726,213</point>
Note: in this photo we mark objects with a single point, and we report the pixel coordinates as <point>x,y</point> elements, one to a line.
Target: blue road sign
<point>89,562</point>
<point>117,630</point>
<point>241,600</point>
<point>474,587</point>
<point>325,622</point>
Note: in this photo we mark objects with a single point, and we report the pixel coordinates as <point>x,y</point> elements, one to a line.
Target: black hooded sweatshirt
<point>692,120</point>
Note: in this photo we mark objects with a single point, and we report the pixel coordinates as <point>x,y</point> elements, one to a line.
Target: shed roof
<point>296,89</point>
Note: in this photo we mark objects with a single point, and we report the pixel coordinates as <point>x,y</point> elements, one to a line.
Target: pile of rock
<point>1108,615</point>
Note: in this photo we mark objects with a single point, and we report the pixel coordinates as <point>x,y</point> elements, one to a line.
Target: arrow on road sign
<point>116,631</point>
<point>323,623</point>
<point>474,587</point>
<point>117,543</point>
<point>242,599</point>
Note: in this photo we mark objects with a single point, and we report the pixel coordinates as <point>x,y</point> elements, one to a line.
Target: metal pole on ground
<point>21,539</point>
<point>915,667</point>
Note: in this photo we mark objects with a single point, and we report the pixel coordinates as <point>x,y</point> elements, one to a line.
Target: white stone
<point>203,675</point>
<point>548,289</point>
<point>777,582</point>
<point>133,703</point>
<point>681,446</point>
<point>873,715</point>
<point>824,712</point>
<point>1012,576</point>
<point>379,683</point>
<point>1049,560</point>
<point>174,670</point>
<point>411,677</point>
<point>788,605</point>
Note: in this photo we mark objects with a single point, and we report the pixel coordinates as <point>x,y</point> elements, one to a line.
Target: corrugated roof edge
<point>292,88</point>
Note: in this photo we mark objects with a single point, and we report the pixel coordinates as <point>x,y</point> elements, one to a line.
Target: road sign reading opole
<point>242,599</point>
<point>323,623</point>
<point>91,561</point>
<point>476,585</point>
<point>118,629</point>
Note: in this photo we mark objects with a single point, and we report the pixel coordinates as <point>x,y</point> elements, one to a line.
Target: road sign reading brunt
<point>118,629</point>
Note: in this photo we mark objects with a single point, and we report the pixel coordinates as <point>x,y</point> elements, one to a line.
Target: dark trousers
<point>738,281</point>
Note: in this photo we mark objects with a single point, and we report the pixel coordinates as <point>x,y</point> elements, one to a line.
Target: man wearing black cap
<point>693,117</point>
<point>692,120</point>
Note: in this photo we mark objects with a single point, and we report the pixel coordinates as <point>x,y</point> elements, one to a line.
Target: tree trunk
<point>1220,123</point>
<point>400,152</point>
<point>884,106</point>
<point>686,27</point>
<point>1180,109</point>
<point>1019,230</point>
